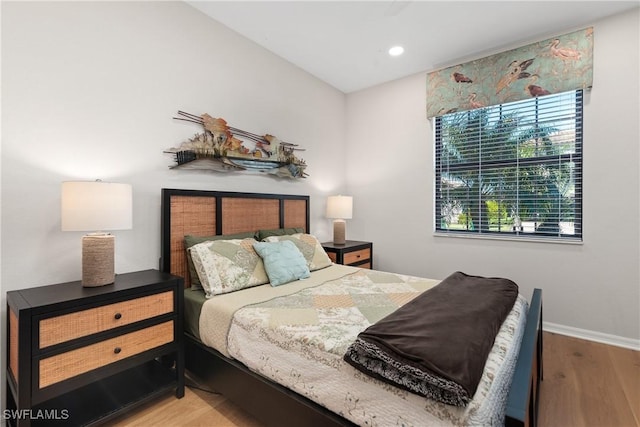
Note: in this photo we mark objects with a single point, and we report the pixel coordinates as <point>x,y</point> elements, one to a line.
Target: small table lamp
<point>96,206</point>
<point>339,208</point>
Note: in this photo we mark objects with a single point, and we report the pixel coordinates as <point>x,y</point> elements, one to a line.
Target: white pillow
<point>310,248</point>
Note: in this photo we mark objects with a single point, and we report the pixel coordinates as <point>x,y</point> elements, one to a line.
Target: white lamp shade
<point>96,206</point>
<point>340,207</point>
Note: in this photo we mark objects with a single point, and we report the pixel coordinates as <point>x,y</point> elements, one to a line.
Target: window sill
<point>532,239</point>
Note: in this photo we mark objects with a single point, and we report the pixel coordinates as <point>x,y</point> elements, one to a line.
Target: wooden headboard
<point>208,213</point>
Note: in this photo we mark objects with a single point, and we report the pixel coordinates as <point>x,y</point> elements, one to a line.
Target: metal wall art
<point>225,149</point>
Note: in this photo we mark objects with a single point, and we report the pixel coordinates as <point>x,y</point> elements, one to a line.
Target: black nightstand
<point>78,356</point>
<point>353,252</point>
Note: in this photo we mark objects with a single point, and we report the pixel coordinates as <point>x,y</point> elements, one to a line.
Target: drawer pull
<point>117,350</point>
<point>118,316</point>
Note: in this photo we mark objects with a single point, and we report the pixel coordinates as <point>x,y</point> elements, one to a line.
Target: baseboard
<point>585,334</point>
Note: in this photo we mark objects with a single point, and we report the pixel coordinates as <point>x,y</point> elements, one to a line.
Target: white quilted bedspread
<point>298,340</point>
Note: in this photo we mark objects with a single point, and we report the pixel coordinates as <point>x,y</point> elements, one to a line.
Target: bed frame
<point>206,213</point>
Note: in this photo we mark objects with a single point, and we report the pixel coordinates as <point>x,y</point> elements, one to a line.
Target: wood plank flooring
<point>589,384</point>
<point>586,384</point>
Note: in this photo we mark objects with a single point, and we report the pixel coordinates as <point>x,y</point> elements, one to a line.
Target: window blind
<point>511,169</point>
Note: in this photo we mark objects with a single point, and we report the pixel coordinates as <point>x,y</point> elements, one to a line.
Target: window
<point>511,170</point>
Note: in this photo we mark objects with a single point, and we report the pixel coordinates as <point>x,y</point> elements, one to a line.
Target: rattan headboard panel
<point>240,215</point>
<point>296,214</point>
<point>207,213</point>
<point>190,215</point>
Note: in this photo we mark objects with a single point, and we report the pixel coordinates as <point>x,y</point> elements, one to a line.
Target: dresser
<point>80,356</point>
<point>353,252</point>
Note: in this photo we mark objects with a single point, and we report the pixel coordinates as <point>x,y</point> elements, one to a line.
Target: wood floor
<point>585,384</point>
<point>589,384</point>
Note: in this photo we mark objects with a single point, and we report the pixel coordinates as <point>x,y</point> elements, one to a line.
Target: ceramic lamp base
<point>339,231</point>
<point>98,259</point>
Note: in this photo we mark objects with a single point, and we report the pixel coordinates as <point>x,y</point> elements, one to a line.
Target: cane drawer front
<point>356,256</point>
<point>13,343</point>
<point>60,329</point>
<point>85,359</point>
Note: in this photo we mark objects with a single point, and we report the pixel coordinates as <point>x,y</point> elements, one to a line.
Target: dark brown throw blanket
<point>437,344</point>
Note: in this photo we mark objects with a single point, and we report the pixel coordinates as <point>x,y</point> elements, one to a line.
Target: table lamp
<point>339,208</point>
<point>96,206</point>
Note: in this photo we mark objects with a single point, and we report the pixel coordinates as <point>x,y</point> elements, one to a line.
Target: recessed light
<point>396,51</point>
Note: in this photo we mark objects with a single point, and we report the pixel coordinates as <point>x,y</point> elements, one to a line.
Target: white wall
<point>89,90</point>
<point>594,286</point>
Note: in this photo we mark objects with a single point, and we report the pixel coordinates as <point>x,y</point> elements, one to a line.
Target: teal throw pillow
<point>283,261</point>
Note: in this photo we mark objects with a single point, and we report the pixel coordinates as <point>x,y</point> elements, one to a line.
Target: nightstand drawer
<point>72,363</point>
<point>59,329</point>
<point>355,256</point>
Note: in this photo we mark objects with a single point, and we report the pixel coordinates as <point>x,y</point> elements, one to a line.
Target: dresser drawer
<point>59,329</point>
<point>355,256</point>
<point>72,363</point>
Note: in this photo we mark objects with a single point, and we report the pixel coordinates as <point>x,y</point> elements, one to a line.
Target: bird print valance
<point>551,66</point>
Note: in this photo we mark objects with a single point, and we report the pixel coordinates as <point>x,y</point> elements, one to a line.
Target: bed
<point>257,389</point>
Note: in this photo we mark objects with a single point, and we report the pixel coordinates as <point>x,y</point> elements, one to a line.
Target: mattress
<point>296,335</point>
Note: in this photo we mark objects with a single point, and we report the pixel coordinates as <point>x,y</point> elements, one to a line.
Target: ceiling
<point>345,43</point>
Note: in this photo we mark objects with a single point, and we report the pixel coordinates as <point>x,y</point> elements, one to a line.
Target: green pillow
<point>189,241</point>
<point>283,261</point>
<point>263,234</point>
